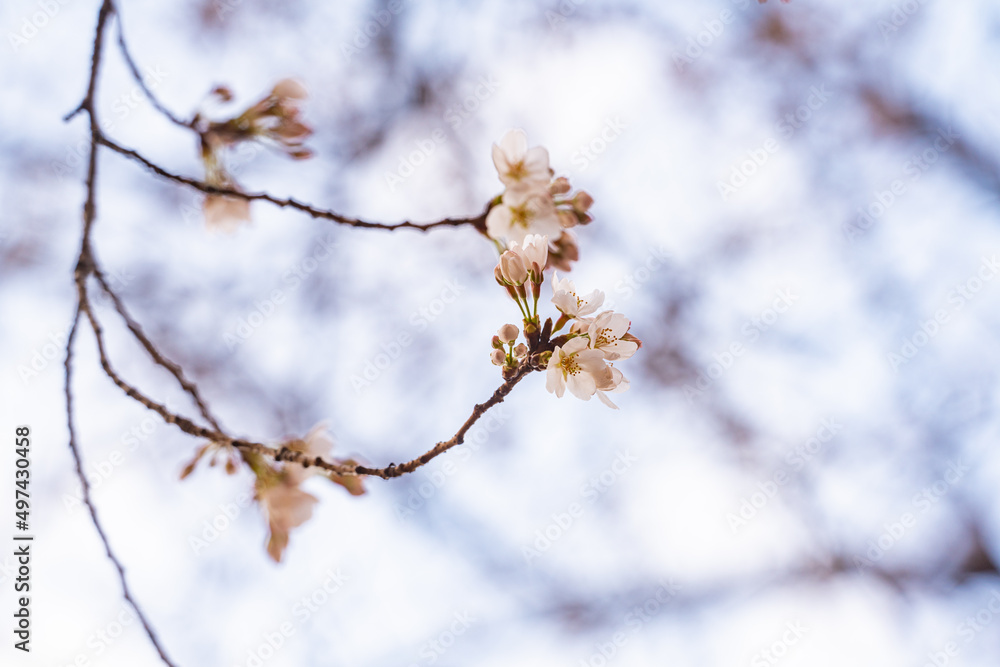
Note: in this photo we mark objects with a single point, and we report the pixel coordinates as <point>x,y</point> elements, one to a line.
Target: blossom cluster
<point>527,217</point>
<point>274,120</point>
<point>533,202</point>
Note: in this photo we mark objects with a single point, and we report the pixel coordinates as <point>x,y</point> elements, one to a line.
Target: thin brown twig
<point>190,387</point>
<point>88,501</point>
<point>85,265</point>
<point>137,75</point>
<point>479,221</point>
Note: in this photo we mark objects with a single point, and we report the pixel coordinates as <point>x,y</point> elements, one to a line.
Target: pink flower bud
<point>568,219</point>
<point>498,357</point>
<point>290,88</point>
<point>560,186</point>
<point>582,202</point>
<point>508,333</point>
<point>512,268</point>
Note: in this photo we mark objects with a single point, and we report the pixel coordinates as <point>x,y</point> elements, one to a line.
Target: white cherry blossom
<point>576,366</point>
<point>523,212</point>
<point>519,166</point>
<point>616,384</point>
<point>569,302</point>
<point>607,333</point>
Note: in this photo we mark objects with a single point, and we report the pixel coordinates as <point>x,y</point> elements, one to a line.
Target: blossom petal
<point>582,385</point>
<point>607,401</point>
<point>514,144</point>
<point>554,381</point>
<point>498,222</point>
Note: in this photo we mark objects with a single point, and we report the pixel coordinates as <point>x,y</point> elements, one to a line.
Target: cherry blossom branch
<point>87,266</point>
<point>479,221</point>
<point>541,205</point>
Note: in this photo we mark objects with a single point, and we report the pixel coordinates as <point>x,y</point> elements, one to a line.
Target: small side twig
<point>137,75</point>
<point>479,221</point>
<point>156,355</point>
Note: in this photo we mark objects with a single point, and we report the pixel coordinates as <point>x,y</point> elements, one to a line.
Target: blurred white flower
<point>225,213</point>
<point>286,506</point>
<point>275,119</point>
<point>564,251</point>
